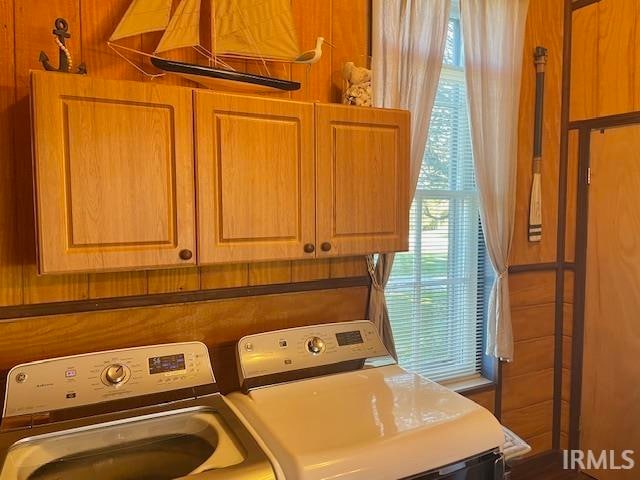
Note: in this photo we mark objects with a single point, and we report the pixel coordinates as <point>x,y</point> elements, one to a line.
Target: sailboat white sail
<point>251,29</point>
<point>183,29</point>
<point>143,16</point>
<point>255,29</point>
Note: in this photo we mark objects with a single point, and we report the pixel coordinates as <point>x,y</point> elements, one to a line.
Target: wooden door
<point>113,174</point>
<point>362,157</point>
<point>610,388</point>
<point>255,176</point>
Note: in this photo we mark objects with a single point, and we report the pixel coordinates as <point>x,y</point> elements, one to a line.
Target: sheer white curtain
<point>493,34</point>
<point>408,40</point>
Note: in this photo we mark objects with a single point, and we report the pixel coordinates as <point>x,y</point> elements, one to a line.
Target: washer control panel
<point>90,378</point>
<point>292,349</point>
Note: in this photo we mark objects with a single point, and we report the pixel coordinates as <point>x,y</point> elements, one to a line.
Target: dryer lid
<point>376,423</point>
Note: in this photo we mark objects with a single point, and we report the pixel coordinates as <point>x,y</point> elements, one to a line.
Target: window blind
<point>436,291</point>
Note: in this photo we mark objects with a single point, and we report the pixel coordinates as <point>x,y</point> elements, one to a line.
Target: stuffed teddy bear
<point>358,91</point>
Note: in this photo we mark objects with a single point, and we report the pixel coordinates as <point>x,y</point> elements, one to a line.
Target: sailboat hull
<point>221,79</point>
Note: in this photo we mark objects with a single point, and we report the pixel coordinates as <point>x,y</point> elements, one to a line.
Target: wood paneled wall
<point>528,382</point>
<point>545,28</point>
<point>528,391</point>
<point>605,59</point>
<point>26,29</point>
<point>605,80</point>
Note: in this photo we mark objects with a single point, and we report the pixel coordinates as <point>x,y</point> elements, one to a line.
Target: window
<point>437,289</point>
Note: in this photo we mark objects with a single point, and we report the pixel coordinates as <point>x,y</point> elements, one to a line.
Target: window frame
<point>488,366</point>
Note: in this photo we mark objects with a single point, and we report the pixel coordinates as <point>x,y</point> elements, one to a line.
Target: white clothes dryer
<point>330,403</point>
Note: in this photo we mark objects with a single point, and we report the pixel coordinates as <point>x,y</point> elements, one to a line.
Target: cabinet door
<point>362,180</point>
<point>113,164</point>
<point>255,174</point>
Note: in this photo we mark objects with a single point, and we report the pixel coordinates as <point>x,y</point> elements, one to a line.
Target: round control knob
<point>115,374</point>
<point>315,345</point>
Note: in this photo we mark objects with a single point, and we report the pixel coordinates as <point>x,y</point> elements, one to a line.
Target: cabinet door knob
<point>309,247</point>
<point>185,254</point>
<point>326,246</point>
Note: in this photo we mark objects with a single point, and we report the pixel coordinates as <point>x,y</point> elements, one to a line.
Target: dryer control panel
<point>90,378</point>
<point>313,347</point>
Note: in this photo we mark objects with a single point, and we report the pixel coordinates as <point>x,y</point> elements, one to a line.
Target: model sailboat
<point>240,29</point>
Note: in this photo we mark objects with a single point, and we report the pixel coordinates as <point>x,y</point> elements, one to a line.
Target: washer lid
<point>377,423</point>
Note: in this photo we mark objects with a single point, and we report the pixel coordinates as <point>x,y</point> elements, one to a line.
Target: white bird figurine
<point>312,56</point>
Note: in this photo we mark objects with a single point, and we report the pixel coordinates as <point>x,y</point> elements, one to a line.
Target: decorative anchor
<point>66,61</point>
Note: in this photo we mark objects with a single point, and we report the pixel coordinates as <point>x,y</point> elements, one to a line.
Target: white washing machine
<point>330,403</point>
<point>133,414</point>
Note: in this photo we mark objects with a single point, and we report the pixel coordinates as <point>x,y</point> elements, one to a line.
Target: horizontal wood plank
<point>533,321</point>
<point>173,280</point>
<point>269,272</point>
<point>530,356</point>
<point>526,390</point>
<point>348,267</point>
<point>532,288</point>
<point>487,399</point>
<point>224,276</point>
<point>307,270</point>
<point>539,443</point>
<point>530,421</point>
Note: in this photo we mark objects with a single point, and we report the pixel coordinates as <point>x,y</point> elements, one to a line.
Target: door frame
<point>584,129</point>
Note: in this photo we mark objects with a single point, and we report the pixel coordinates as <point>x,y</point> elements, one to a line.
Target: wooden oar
<point>535,205</point>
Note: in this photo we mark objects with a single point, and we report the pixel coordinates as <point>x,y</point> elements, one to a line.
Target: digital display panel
<point>349,338</point>
<point>167,363</point>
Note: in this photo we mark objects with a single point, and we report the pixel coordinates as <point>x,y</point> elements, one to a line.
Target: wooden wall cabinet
<point>280,180</point>
<point>118,173</point>
<point>255,175</point>
<point>362,159</point>
<point>113,174</point>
